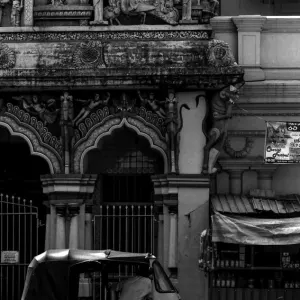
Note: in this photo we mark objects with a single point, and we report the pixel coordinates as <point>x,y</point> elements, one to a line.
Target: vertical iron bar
<point>7,241</point>
<point>138,226</point>
<point>100,230</point>
<point>151,229</point>
<point>107,224</point>
<point>1,246</point>
<point>25,246</point>
<point>113,229</point>
<point>126,235</point>
<point>13,242</point>
<point>132,234</point>
<point>145,229</point>
<point>119,236</point>
<point>19,240</point>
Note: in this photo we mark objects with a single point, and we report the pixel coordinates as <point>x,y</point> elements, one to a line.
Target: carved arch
<point>33,140</point>
<point>141,128</point>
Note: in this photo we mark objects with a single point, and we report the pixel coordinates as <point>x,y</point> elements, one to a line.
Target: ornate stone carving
<point>210,9</point>
<point>28,13</point>
<point>244,152</point>
<point>46,137</point>
<point>32,136</point>
<point>153,103</point>
<point>98,13</point>
<point>46,111</point>
<point>107,35</point>
<point>163,10</point>
<point>7,57</point>
<point>89,55</point>
<point>219,54</point>
<point>17,7</point>
<point>221,104</point>
<point>106,127</point>
<point>90,104</point>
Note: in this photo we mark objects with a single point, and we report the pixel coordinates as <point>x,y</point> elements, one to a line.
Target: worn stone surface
<point>114,58</point>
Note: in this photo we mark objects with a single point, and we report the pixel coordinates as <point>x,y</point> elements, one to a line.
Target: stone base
<point>187,22</point>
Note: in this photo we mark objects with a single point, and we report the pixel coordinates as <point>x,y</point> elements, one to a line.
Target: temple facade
<point>119,119</point>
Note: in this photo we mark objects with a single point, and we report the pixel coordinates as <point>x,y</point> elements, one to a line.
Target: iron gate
<point>126,227</point>
<point>18,243</point>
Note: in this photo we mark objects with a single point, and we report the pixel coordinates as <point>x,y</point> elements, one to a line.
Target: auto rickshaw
<point>89,274</point>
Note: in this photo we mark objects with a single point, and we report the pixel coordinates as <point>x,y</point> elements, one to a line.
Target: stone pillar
<point>88,229</point>
<point>68,194</point>
<point>236,179</point>
<point>265,178</point>
<point>173,242</point>
<point>74,227</point>
<point>249,49</point>
<point>185,201</point>
<point>48,230</point>
<point>60,242</point>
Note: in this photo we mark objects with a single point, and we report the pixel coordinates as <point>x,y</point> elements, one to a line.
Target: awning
<point>246,230</point>
<point>241,204</point>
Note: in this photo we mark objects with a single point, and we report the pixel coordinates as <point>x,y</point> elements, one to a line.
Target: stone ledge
<point>282,24</point>
<point>223,24</point>
<point>249,23</point>
<point>246,165</point>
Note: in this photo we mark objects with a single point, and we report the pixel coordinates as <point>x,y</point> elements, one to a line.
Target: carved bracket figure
<point>221,103</point>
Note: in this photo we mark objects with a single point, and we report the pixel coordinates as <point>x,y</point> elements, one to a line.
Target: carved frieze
<point>7,57</point>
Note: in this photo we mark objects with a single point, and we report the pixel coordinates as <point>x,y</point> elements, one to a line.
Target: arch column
<point>68,196</point>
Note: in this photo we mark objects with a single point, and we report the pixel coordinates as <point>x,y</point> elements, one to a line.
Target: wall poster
<point>282,143</point>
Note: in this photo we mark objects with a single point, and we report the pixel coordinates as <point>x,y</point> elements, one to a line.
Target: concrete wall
<point>192,139</point>
<point>193,215</point>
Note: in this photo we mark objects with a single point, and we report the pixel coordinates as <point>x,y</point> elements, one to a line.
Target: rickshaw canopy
<point>48,273</point>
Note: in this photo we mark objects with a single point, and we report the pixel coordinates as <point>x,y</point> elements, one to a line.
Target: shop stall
<point>252,249</point>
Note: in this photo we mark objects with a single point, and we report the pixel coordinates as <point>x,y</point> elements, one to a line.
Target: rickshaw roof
<point>76,256</point>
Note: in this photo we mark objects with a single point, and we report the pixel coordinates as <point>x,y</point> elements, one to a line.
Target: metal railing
<point>18,243</point>
<point>123,227</point>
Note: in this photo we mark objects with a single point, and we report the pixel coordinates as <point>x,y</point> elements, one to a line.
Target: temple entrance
<point>21,212</point>
<point>123,201</point>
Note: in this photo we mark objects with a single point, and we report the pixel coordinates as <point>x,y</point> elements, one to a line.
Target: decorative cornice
<point>222,25</point>
<point>249,23</point>
<point>181,180</point>
<point>264,114</point>
<point>278,89</point>
<point>105,33</point>
<point>246,164</point>
<point>70,189</point>
<point>282,24</point>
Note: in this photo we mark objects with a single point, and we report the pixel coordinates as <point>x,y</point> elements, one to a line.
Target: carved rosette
<point>7,57</point>
<point>219,54</point>
<point>89,55</point>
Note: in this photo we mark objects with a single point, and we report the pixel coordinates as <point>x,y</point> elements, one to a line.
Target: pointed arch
<point>33,140</point>
<point>155,139</point>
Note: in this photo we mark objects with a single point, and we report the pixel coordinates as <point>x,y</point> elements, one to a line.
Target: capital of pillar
<point>69,197</point>
<point>249,49</point>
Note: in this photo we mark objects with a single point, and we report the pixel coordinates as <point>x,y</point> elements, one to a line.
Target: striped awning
<point>241,204</point>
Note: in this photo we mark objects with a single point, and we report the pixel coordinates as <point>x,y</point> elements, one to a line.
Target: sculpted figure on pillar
<point>221,105</point>
<point>153,103</point>
<point>17,7</point>
<point>210,9</point>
